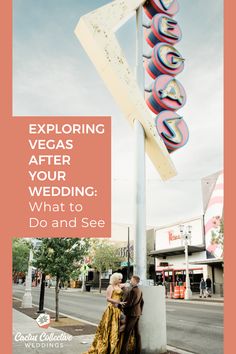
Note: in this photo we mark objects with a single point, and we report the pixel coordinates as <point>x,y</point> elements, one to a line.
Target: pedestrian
<point>165,284</point>
<point>108,336</point>
<point>133,310</point>
<point>202,288</point>
<point>208,286</point>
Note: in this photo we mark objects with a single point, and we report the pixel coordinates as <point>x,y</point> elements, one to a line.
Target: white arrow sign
<point>96,33</point>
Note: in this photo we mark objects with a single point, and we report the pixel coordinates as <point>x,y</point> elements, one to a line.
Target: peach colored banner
<point>59,175</point>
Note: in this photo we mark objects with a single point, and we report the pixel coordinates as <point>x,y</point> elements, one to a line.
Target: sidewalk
<point>28,337</point>
<point>214,299</point>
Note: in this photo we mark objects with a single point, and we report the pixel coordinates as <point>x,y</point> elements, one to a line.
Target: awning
<point>176,250</point>
<point>178,268</point>
<point>215,261</point>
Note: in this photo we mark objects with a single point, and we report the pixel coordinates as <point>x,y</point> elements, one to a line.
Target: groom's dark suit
<point>133,310</point>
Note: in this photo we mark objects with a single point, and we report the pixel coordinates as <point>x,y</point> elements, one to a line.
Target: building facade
<point>205,247</point>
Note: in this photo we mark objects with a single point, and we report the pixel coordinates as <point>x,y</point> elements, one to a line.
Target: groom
<point>133,310</point>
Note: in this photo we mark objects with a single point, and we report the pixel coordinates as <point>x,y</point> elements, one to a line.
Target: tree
<point>59,257</point>
<point>20,255</point>
<point>104,257</point>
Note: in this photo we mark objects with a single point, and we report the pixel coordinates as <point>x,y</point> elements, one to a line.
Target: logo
<point>43,320</point>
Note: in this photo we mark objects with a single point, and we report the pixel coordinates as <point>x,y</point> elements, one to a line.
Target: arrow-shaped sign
<point>96,33</point>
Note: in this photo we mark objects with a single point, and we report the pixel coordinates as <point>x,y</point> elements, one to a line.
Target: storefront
<point>205,242</point>
<point>169,254</point>
<point>173,269</point>
<point>178,276</point>
<point>215,270</point>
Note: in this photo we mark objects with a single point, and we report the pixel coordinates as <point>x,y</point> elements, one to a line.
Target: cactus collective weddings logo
<point>52,340</point>
<point>43,320</point>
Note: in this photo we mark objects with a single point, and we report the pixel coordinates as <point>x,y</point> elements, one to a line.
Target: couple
<point>113,336</point>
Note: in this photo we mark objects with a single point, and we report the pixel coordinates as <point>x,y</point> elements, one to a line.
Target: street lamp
<point>185,234</point>
<point>84,271</point>
<point>27,298</point>
<point>84,268</point>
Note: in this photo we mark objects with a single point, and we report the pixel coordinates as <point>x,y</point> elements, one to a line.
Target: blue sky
<point>52,75</point>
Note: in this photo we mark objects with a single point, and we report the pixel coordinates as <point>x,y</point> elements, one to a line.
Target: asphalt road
<point>195,327</point>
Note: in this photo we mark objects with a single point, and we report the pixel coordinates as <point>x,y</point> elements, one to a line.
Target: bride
<point>108,337</point>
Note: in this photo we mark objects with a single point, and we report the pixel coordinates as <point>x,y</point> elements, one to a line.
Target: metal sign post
<point>128,260</point>
<point>140,247</point>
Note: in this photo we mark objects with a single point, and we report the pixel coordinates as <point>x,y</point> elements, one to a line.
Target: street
<point>194,327</point>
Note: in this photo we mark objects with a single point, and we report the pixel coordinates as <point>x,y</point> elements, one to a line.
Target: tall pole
<point>128,263</point>
<point>140,253</point>
<point>83,287</point>
<point>186,237</point>
<point>27,298</point>
<point>188,292</point>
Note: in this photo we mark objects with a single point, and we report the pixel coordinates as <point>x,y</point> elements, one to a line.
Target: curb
<point>178,350</point>
<point>196,301</point>
<point>64,314</point>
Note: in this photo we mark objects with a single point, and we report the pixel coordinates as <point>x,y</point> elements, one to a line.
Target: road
<point>195,327</point>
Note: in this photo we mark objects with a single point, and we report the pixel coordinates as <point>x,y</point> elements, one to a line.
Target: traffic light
<point>166,94</point>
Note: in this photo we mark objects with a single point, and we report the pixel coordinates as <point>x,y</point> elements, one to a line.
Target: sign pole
<point>27,298</point>
<point>140,253</point>
<point>128,265</point>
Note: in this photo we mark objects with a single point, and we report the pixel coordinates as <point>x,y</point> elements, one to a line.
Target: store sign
<point>166,94</point>
<point>173,236</point>
<point>169,237</point>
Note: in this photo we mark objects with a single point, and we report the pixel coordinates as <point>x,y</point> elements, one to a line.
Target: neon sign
<point>166,94</point>
<point>96,32</point>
